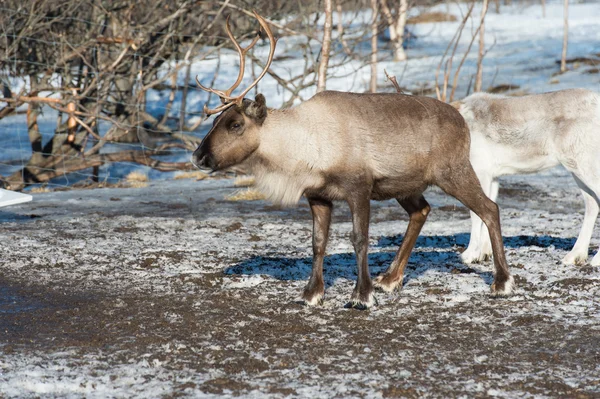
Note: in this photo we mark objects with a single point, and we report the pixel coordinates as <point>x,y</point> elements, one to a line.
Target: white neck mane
<point>291,157</point>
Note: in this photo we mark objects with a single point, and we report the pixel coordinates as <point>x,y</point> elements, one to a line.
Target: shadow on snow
<point>426,257</point>
<point>462,239</point>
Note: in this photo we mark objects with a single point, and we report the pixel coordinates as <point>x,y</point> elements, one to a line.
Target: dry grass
<point>518,93</point>
<point>196,174</point>
<point>503,88</point>
<point>137,180</point>
<point>244,181</point>
<point>136,176</point>
<point>137,184</point>
<point>246,195</point>
<point>430,17</point>
<point>38,190</point>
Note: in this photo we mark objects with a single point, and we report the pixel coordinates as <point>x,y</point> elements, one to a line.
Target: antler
<point>225,96</point>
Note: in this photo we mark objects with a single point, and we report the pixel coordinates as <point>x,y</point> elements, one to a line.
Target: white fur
<point>377,282</point>
<point>298,153</point>
<point>527,135</point>
<point>314,301</point>
<point>368,304</point>
<point>282,189</point>
<point>508,288</point>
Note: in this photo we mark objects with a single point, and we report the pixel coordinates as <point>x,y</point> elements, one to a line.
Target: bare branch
<point>479,76</point>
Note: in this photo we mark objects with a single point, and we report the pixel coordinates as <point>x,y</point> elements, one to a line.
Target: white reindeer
<point>516,135</point>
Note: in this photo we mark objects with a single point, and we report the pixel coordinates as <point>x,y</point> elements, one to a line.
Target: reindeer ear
<point>257,109</point>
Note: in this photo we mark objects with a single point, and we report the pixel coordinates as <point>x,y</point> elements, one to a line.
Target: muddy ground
<point>173,291</point>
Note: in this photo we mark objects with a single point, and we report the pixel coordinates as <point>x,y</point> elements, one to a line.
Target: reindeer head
<point>235,132</point>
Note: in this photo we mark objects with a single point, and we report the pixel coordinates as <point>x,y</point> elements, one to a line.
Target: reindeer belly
<point>520,159</point>
<point>399,187</point>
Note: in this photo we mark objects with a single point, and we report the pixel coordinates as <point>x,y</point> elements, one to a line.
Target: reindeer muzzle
<point>203,161</point>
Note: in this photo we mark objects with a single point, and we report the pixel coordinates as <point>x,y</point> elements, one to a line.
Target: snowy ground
<point>172,290</point>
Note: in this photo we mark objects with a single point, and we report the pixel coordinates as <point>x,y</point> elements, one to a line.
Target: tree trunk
<point>563,60</point>
<point>33,131</point>
<point>373,83</point>
<point>399,53</point>
<point>479,77</point>
<point>543,8</point>
<point>322,78</point>
<point>35,138</point>
<point>184,94</point>
<point>396,26</point>
<point>340,28</point>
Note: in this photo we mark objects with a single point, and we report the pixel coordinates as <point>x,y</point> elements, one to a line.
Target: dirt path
<point>172,291</point>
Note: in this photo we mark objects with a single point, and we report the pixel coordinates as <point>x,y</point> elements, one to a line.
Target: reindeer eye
<point>235,126</point>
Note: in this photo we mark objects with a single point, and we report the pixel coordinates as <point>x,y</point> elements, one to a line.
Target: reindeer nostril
<point>197,160</point>
<point>202,161</point>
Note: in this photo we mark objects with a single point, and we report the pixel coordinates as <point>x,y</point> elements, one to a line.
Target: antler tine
<point>272,44</point>
<point>242,52</point>
<point>208,89</point>
<point>220,108</point>
<point>225,96</point>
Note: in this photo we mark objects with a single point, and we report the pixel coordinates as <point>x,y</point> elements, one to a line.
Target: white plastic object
<point>8,197</point>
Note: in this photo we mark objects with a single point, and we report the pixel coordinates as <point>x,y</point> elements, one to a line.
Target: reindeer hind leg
<point>459,180</point>
<point>579,254</point>
<point>418,209</point>
<point>480,247</point>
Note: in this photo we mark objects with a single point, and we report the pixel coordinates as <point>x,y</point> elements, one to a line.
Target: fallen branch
<point>66,165</point>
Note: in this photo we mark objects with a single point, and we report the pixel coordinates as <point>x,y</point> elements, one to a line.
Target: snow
<point>173,290</point>
<point>170,242</point>
<point>8,197</point>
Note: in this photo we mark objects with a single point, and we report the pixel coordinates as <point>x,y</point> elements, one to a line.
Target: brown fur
<point>356,147</point>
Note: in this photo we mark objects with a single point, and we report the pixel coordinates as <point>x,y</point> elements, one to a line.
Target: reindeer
<point>530,134</point>
<point>352,147</point>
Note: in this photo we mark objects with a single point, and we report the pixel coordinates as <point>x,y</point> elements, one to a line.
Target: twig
<point>270,21</point>
<point>455,39</point>
<point>394,82</point>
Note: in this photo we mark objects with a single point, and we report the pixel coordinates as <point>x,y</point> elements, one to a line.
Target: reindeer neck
<point>285,163</point>
<point>282,139</point>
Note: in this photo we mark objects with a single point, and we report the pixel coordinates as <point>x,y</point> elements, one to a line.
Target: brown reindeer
<point>352,147</point>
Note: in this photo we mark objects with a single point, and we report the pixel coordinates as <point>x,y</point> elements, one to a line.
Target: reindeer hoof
<point>312,300</point>
<point>385,283</point>
<point>575,258</point>
<point>503,289</point>
<point>364,304</point>
<point>356,305</point>
<point>477,256</point>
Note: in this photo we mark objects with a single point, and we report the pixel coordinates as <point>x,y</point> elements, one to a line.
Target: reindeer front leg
<point>360,206</point>
<point>321,213</point>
